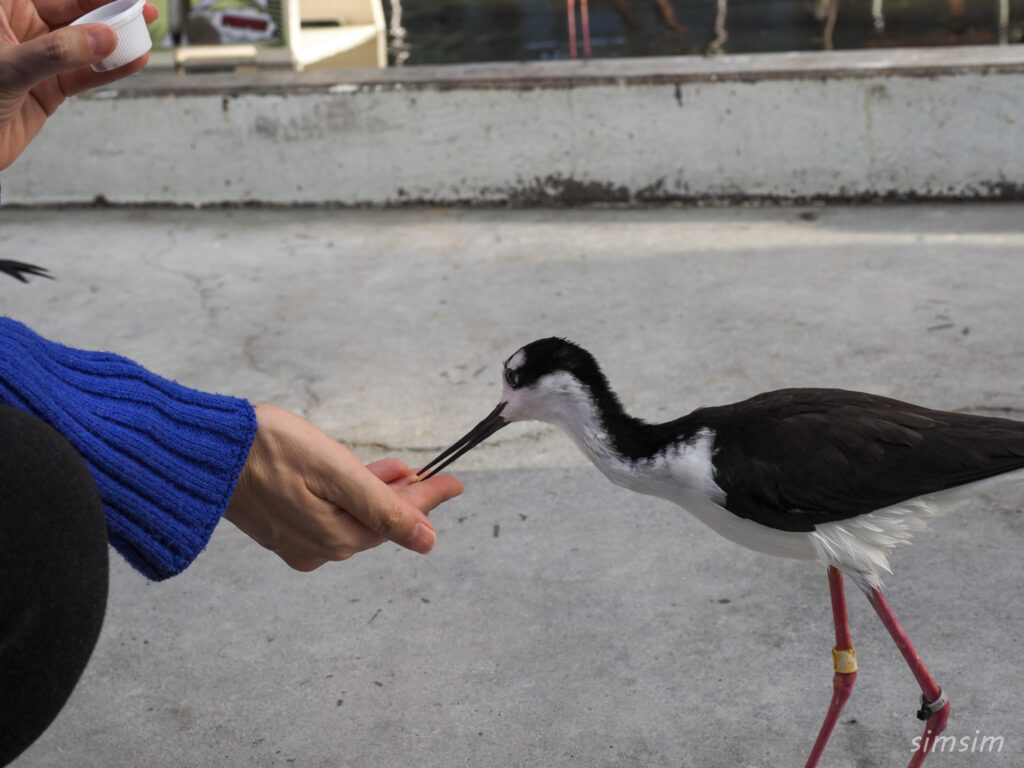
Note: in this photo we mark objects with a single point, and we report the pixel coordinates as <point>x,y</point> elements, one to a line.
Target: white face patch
<point>515,362</point>
<point>557,398</point>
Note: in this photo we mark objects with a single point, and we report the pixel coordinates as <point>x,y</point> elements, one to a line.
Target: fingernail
<point>102,40</point>
<point>422,539</point>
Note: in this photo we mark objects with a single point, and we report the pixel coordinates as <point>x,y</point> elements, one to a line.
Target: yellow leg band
<point>844,662</point>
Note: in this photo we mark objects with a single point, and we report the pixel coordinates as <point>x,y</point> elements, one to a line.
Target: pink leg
<point>585,19</point>
<point>844,661</point>
<point>934,707</point>
<point>571,8</point>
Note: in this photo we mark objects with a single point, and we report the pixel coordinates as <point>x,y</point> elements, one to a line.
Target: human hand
<point>43,61</point>
<point>308,498</point>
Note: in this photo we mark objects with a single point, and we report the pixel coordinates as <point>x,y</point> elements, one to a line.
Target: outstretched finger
<point>430,493</point>
<point>54,53</point>
<point>389,470</point>
<point>57,13</point>
<point>85,79</point>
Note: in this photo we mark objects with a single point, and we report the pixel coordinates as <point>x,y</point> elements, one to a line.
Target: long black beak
<point>491,424</point>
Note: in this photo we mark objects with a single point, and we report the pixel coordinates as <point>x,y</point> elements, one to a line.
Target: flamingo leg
<point>585,20</point>
<point>843,659</point>
<point>935,707</point>
<point>571,9</point>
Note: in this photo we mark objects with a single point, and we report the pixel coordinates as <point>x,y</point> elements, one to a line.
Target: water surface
<point>454,31</point>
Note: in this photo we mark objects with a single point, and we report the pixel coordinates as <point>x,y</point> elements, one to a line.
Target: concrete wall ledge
<point>902,124</point>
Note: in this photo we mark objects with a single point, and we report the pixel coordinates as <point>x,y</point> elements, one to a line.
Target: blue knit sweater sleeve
<point>165,458</point>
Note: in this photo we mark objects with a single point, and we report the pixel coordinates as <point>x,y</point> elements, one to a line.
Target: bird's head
<point>550,380</point>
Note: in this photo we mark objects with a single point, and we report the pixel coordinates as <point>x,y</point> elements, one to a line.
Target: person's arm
<point>167,460</point>
<point>164,457</point>
<point>43,62</point>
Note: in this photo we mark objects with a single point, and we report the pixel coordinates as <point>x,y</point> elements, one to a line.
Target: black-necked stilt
<point>18,270</point>
<point>813,474</point>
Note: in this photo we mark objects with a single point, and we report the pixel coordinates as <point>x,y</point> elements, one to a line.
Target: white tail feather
<point>860,545</point>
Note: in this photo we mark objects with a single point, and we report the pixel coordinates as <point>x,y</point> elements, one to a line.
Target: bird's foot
<point>936,715</point>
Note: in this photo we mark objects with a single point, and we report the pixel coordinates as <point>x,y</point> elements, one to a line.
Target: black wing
<point>18,270</point>
<point>795,458</point>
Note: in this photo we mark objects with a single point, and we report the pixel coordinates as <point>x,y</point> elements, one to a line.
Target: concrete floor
<point>560,621</point>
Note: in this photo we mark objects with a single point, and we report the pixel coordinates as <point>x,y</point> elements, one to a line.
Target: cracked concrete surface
<point>560,621</point>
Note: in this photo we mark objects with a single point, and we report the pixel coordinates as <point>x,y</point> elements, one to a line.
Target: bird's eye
<point>512,377</point>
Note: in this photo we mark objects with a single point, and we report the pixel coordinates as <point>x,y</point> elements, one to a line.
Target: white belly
<point>798,545</point>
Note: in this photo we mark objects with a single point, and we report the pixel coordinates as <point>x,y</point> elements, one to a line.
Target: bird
<point>826,475</point>
<point>18,270</point>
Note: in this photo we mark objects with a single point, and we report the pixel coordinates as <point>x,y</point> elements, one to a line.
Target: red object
<point>244,22</point>
<point>936,723</point>
<point>570,6</point>
<point>842,682</point>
